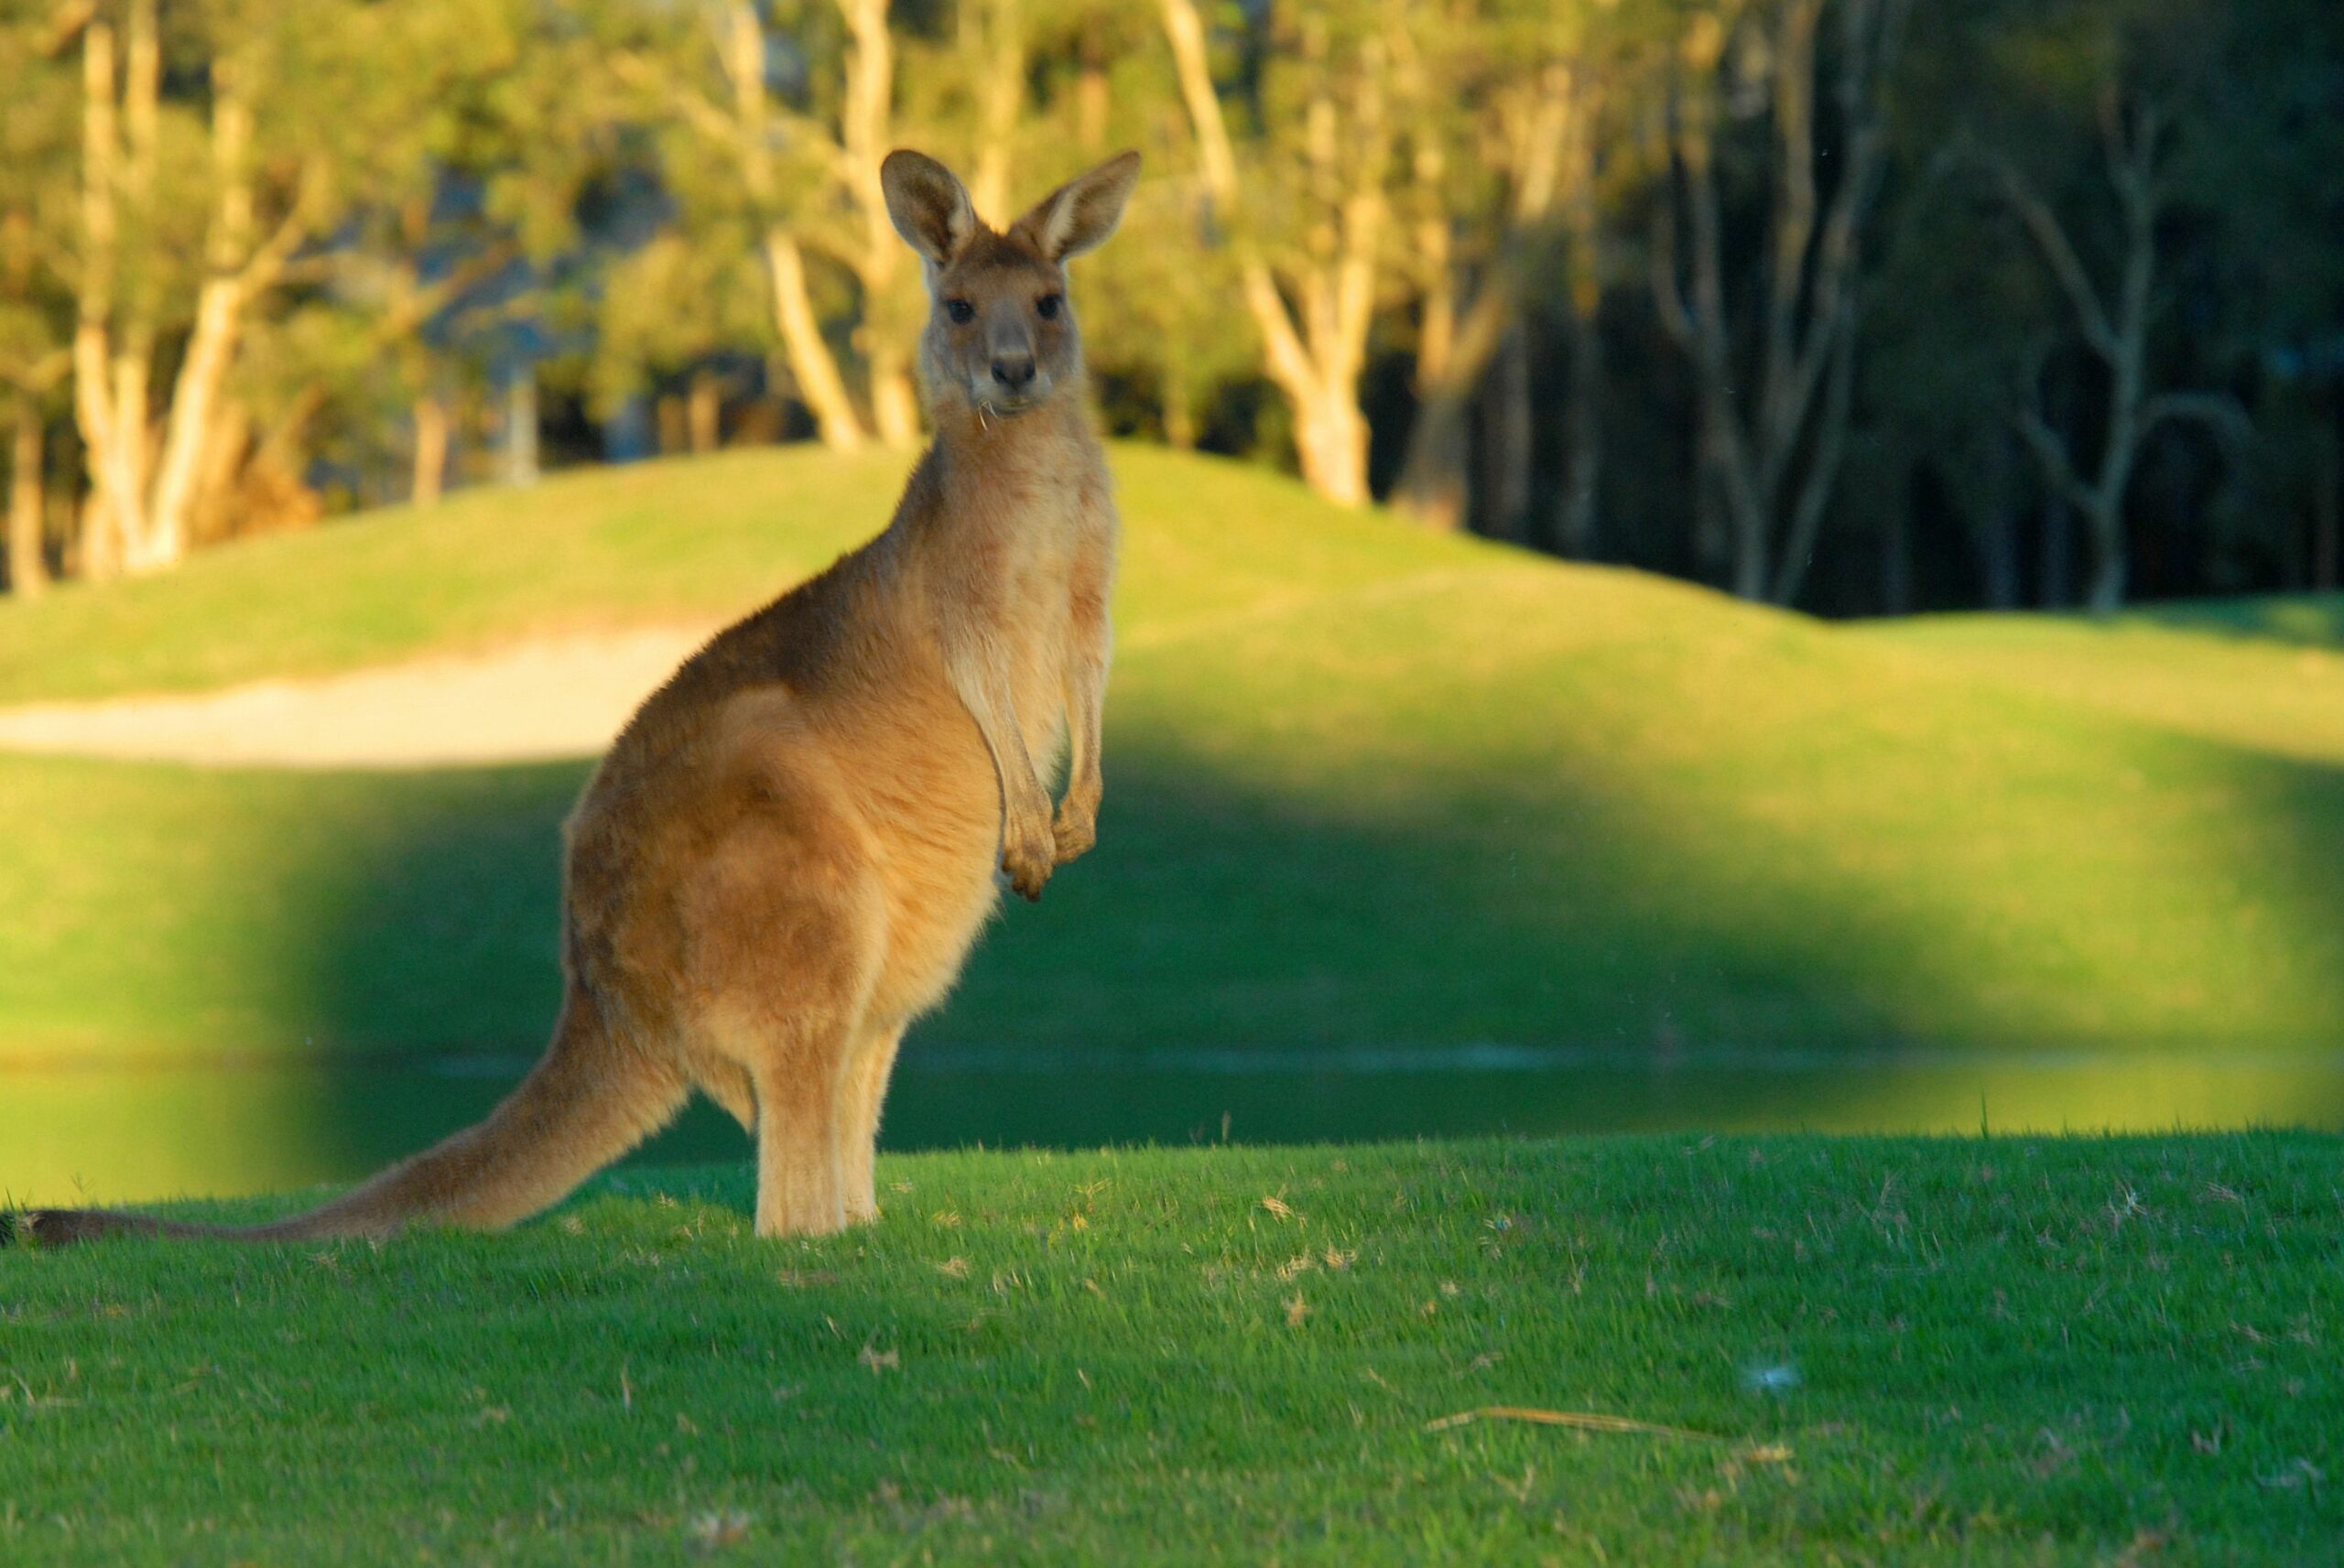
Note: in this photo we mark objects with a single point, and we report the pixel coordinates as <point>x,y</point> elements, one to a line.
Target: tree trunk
<point>1754,440</point>
<point>894,405</point>
<point>1506,437</point>
<point>1174,399</point>
<point>1896,561</point>
<point>27,570</point>
<point>1996,532</point>
<point>216,512</point>
<point>1582,440</point>
<point>433,428</point>
<point>520,433</point>
<point>811,363</point>
<point>194,400</point>
<point>865,139</point>
<point>704,413</point>
<point>2327,507</point>
<point>1332,444</point>
<point>1432,485</point>
<point>1001,96</point>
<point>2105,533</point>
<point>1314,350</point>
<point>1092,96</point>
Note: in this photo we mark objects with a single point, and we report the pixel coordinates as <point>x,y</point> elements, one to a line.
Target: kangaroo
<point>787,855</point>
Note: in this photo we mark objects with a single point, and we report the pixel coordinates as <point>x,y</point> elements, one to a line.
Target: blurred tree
<point>801,123</point>
<point>36,302</point>
<point>1487,188</point>
<point>1308,213</point>
<point>1773,458</point>
<point>232,178</point>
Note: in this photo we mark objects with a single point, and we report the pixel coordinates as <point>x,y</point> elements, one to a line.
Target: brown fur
<point>787,854</point>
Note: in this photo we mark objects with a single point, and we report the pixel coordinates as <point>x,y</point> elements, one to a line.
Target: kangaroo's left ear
<point>1079,215</point>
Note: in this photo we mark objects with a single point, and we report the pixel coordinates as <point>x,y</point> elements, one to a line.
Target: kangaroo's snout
<point>1014,373</point>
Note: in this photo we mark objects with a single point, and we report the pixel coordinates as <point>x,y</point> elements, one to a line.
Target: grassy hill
<point>1366,787</point>
<point>1855,1350</point>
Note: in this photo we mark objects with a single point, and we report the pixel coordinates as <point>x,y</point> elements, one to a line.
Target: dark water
<point>127,1134</point>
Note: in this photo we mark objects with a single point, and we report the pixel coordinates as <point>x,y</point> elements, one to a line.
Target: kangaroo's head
<point>1001,336</point>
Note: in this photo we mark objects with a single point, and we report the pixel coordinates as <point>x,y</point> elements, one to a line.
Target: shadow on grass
<point>1230,963</point>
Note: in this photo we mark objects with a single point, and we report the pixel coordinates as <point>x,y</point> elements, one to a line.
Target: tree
<point>1773,458</point>
<point>1309,217</point>
<point>2113,318</point>
<point>36,305</point>
<point>1478,243</point>
<point>241,179</point>
<point>805,168</point>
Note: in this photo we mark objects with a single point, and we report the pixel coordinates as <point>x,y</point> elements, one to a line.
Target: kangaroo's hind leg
<point>860,1096</point>
<point>785,936</point>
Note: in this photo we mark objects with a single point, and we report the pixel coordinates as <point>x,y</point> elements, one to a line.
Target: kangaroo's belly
<point>926,792</point>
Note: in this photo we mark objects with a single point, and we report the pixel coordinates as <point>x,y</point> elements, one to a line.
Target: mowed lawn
<point>1886,1351</point>
<point>1366,788</point>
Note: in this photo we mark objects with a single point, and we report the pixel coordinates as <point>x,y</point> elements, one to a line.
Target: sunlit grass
<point>2015,1351</point>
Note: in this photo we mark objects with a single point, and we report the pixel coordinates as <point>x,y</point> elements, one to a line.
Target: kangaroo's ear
<point>1079,215</point>
<point>929,204</point>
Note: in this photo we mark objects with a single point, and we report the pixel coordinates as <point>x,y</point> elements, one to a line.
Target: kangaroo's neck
<point>978,455</point>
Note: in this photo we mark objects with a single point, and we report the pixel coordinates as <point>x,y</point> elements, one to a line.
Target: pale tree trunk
<point>433,430</point>
<point>1752,446</point>
<point>2116,330</point>
<point>811,364</point>
<point>213,515</point>
<point>1316,348</point>
<point>112,447</point>
<point>748,130</point>
<point>704,413</point>
<point>520,433</point>
<point>1175,398</point>
<point>27,570</point>
<point>149,494</point>
<point>1000,48</point>
<point>864,142</point>
<point>1092,96</point>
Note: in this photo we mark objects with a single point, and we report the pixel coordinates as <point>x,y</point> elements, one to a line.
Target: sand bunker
<point>553,698</point>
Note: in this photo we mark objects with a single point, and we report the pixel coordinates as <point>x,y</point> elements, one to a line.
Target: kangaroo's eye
<point>960,310</point>
<point>1046,306</point>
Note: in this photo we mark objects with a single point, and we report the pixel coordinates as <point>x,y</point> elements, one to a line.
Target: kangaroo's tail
<point>589,1101</point>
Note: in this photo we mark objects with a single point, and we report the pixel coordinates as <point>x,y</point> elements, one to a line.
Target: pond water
<point>120,1135</point>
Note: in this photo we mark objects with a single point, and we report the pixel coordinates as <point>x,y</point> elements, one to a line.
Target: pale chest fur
<point>1011,558</point>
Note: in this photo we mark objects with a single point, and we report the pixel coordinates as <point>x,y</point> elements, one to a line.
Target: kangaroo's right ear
<point>929,204</point>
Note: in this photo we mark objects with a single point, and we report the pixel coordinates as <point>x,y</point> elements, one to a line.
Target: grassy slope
<point>1366,786</point>
<point>2013,1351</point>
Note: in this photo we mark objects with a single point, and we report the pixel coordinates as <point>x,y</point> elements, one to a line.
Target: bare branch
<point>2051,457</point>
<point>2219,412</point>
<point>2043,227</point>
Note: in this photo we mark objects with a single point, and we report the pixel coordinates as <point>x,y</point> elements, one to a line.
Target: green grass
<point>2023,1351</point>
<point>1366,787</point>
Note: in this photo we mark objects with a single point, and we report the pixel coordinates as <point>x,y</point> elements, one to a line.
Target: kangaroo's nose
<point>1013,374</point>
